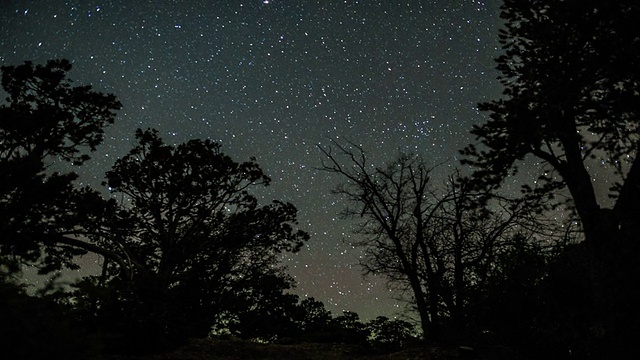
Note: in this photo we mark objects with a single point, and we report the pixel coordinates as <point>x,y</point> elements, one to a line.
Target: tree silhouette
<point>571,102</point>
<point>389,335</point>
<point>184,243</point>
<point>265,312</point>
<point>348,329</point>
<point>570,77</point>
<point>45,122</point>
<point>196,243</point>
<point>314,317</point>
<point>435,244</point>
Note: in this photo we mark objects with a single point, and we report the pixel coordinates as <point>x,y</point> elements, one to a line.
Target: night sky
<point>273,79</point>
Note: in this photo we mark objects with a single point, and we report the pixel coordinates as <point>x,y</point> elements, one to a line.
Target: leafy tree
<point>187,241</point>
<point>435,244</point>
<point>196,243</point>
<point>570,77</point>
<point>348,329</point>
<point>390,335</point>
<point>571,102</point>
<point>267,312</point>
<point>314,317</point>
<point>44,124</point>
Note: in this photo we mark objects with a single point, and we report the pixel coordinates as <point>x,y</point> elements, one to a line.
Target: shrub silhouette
<point>40,328</point>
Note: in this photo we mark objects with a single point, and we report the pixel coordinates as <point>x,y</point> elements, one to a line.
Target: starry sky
<point>274,79</point>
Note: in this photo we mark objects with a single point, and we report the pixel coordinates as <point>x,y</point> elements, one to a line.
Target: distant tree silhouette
<point>436,244</point>
<point>196,243</point>
<point>46,123</point>
<point>314,317</point>
<point>266,311</point>
<point>571,102</point>
<point>348,329</point>
<point>388,335</point>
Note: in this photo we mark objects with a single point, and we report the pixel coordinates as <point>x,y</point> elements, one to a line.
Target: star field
<point>273,79</point>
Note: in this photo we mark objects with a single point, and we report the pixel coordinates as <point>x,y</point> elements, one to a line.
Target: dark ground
<point>246,350</point>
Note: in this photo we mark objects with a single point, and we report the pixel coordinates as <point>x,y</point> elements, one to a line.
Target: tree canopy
<point>184,241</point>
<point>45,120</point>
<point>570,77</point>
<point>571,102</point>
<point>194,240</point>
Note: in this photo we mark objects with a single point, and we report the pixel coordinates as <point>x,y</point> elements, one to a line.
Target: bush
<point>40,327</point>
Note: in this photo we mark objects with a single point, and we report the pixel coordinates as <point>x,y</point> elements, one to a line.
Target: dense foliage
<point>570,77</point>
<point>571,103</point>
<point>44,124</point>
<point>185,244</point>
<point>195,242</point>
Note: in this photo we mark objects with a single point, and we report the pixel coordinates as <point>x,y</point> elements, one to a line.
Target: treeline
<point>187,250</point>
<point>52,325</point>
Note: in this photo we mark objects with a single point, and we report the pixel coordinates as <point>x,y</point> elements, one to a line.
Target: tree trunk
<point>578,180</point>
<point>627,207</point>
<point>426,322</point>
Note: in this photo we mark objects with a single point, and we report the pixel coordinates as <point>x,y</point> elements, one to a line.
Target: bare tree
<point>435,242</point>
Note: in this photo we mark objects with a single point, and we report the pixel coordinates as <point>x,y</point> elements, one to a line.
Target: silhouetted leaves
<point>388,335</point>
<point>187,243</point>
<point>197,243</point>
<point>571,104</point>
<point>46,121</point>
